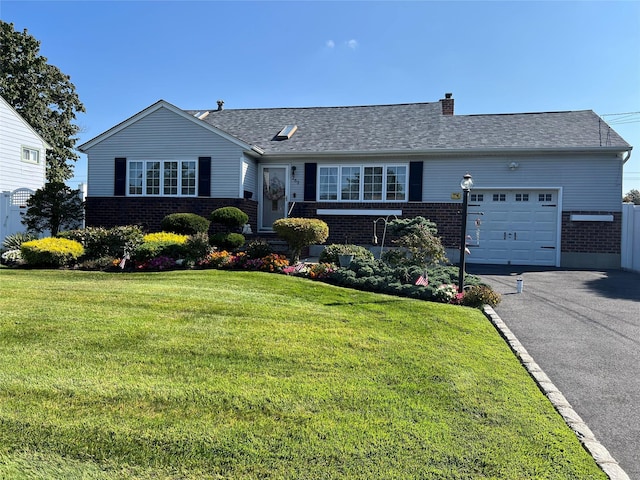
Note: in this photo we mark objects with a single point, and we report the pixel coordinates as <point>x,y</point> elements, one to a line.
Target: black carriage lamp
<point>466,184</point>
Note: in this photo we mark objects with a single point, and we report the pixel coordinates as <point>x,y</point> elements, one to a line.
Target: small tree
<point>632,197</point>
<point>418,241</point>
<point>300,233</point>
<point>54,207</point>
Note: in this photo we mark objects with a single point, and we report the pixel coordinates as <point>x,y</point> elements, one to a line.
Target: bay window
<point>155,177</point>
<point>369,183</point>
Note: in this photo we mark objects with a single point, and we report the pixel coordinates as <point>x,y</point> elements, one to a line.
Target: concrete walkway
<point>583,329</point>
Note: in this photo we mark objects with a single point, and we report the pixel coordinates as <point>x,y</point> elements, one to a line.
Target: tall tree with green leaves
<point>42,95</point>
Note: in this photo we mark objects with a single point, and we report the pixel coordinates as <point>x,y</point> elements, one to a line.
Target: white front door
<point>513,227</point>
<point>273,200</point>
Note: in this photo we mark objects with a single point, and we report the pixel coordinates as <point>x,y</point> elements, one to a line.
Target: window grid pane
<point>170,178</point>
<point>153,178</point>
<point>135,178</point>
<point>396,180</point>
<point>188,178</point>
<point>372,183</point>
<point>350,183</point>
<point>328,183</point>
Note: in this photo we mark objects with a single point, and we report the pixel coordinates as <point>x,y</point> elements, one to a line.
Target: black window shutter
<point>310,175</point>
<point>204,176</point>
<point>415,181</point>
<point>120,177</point>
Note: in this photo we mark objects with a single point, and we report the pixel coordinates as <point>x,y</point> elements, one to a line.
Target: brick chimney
<point>447,104</point>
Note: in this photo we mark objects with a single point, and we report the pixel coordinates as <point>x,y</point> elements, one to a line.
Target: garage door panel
<point>514,232</point>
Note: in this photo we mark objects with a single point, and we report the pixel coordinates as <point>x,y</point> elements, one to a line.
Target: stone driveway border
<point>600,454</point>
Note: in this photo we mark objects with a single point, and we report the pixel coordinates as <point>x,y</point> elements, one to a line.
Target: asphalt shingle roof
<point>410,127</point>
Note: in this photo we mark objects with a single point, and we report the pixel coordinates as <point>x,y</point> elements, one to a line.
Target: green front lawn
<point>213,374</point>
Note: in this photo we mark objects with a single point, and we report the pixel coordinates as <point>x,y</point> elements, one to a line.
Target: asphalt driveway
<point>583,330</point>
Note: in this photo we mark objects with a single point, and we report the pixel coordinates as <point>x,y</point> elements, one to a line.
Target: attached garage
<point>514,227</point>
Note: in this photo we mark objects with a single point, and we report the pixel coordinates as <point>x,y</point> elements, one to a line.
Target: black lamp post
<point>466,185</point>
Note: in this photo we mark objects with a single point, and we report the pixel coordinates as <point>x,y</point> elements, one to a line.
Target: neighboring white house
<point>548,185</point>
<point>22,167</point>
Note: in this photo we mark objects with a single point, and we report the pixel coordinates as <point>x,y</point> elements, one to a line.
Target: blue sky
<point>495,57</point>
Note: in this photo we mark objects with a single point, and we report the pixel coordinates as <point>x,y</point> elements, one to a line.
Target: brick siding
<point>149,212</point>
<point>577,237</point>
<point>358,229</point>
<point>591,237</point>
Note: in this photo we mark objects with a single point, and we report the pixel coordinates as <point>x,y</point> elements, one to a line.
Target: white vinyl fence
<point>630,237</point>
<point>12,207</point>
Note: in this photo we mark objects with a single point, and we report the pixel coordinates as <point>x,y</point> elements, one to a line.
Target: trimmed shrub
<point>161,244</point>
<point>230,217</point>
<point>51,252</point>
<point>165,237</point>
<point>185,223</point>
<point>99,242</point>
<point>227,241</point>
<point>331,252</point>
<point>479,295</point>
<point>300,233</point>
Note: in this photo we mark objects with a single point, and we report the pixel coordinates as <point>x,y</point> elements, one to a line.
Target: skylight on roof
<point>287,132</point>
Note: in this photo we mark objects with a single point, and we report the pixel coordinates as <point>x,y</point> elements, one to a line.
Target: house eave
<point>440,152</point>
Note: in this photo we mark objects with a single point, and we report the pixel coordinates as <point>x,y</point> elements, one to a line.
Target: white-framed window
<point>363,183</point>
<point>499,197</point>
<point>30,155</point>
<point>476,197</point>
<point>522,197</point>
<point>545,197</point>
<point>162,177</point>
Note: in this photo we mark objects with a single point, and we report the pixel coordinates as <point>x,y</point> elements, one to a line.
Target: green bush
<point>99,242</point>
<point>479,295</point>
<point>230,217</point>
<point>197,247</point>
<point>331,252</point>
<point>258,249</point>
<point>185,223</point>
<point>227,241</point>
<point>300,233</point>
<point>51,252</point>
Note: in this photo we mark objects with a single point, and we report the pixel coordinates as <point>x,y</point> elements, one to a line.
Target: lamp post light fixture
<point>466,185</point>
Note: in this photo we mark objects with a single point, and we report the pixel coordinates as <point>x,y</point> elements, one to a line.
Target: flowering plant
<point>299,269</point>
<point>320,270</point>
<point>217,259</point>
<point>157,263</point>
<point>273,263</point>
<point>12,257</point>
<point>445,293</point>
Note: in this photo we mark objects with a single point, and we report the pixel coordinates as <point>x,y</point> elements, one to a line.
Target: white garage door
<point>513,227</point>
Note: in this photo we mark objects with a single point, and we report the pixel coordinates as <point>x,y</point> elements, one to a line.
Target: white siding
<point>249,176</point>
<point>164,135</point>
<point>588,182</point>
<point>15,134</point>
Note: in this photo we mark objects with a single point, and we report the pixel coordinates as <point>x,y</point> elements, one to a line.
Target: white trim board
<point>361,212</point>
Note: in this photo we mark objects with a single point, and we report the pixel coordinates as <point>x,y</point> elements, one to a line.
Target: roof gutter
<point>451,152</point>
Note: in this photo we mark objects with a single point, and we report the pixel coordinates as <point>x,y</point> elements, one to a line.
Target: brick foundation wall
<point>149,212</point>
<point>591,237</point>
<point>358,229</point>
